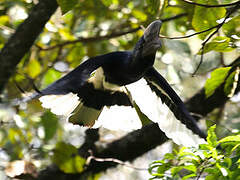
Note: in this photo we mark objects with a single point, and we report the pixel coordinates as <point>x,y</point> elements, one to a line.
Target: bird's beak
<point>152,31</point>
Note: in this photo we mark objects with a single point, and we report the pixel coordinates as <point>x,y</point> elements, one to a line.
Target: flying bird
<point>121,79</point>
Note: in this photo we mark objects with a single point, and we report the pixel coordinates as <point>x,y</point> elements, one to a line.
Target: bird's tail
<point>158,111</point>
<point>83,115</point>
<point>71,106</point>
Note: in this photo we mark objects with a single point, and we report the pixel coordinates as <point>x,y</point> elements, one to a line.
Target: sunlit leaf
<point>231,83</point>
<point>66,34</point>
<point>210,177</point>
<point>67,159</point>
<point>153,6</point>
<point>222,169</point>
<point>189,176</point>
<point>205,18</point>
<point>4,19</point>
<point>51,76</point>
<point>191,168</point>
<point>219,44</point>
<point>175,170</point>
<point>50,124</point>
<point>67,5</point>
<point>212,138</point>
<point>235,138</point>
<point>107,3</point>
<point>232,27</point>
<point>139,15</point>
<point>33,68</point>
<point>217,78</point>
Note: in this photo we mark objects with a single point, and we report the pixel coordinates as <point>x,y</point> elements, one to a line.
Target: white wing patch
<point>119,118</point>
<point>60,104</point>
<point>152,106</point>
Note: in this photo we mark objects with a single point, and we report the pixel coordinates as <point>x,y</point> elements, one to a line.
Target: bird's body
<point>107,80</point>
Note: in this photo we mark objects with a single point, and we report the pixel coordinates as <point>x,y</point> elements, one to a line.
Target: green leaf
<point>232,27</point>
<point>162,168</point>
<point>228,162</point>
<point>4,19</point>
<point>235,138</point>
<point>189,176</point>
<point>76,54</point>
<point>153,6</point>
<point>211,177</point>
<point>205,18</point>
<point>107,3</point>
<point>33,68</point>
<point>191,168</point>
<point>66,158</point>
<point>219,44</point>
<point>212,138</point>
<point>175,170</point>
<point>169,156</point>
<point>139,15</point>
<point>222,169</point>
<point>228,86</point>
<point>67,5</point>
<point>217,78</point>
<point>231,83</point>
<point>50,124</point>
<point>66,34</point>
<point>51,76</point>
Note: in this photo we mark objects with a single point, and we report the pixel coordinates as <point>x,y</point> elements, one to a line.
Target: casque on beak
<point>151,37</point>
<point>152,31</point>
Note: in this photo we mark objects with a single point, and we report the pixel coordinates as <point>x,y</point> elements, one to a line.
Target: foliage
<point>217,159</point>
<point>217,78</point>
<point>83,29</point>
<point>67,159</point>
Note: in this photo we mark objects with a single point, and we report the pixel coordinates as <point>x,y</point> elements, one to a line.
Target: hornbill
<point>122,79</point>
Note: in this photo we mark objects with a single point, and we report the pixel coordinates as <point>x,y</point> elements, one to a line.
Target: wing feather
<point>174,123</point>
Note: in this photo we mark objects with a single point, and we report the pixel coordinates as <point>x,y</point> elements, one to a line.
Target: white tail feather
<point>158,112</point>
<point>119,118</point>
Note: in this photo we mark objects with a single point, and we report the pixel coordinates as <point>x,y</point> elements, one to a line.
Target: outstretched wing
<point>73,81</point>
<point>177,124</point>
<point>81,96</point>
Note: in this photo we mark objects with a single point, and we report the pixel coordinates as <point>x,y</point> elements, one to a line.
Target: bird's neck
<point>142,64</point>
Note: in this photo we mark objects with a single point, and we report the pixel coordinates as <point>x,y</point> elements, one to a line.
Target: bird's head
<point>150,41</point>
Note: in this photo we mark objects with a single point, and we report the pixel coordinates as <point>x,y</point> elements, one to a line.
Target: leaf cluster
<point>217,159</point>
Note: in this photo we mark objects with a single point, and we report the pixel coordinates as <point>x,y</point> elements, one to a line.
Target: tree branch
<point>22,40</point>
<point>90,39</point>
<point>127,148</point>
<point>100,38</point>
<point>211,6</point>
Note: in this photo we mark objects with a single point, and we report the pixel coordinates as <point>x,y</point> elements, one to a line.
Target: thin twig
<point>194,34</point>
<point>90,39</point>
<point>210,5</point>
<point>91,157</point>
<point>99,38</point>
<point>200,173</point>
<point>174,17</point>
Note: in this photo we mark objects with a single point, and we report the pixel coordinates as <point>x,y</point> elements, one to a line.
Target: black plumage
<point>109,86</point>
